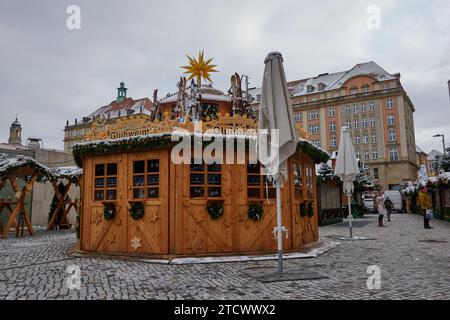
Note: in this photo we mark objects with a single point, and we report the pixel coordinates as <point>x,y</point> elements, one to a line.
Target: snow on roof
<point>433,154</point>
<point>419,150</point>
<point>161,140</point>
<point>332,81</point>
<point>209,93</point>
<point>10,165</point>
<point>128,106</point>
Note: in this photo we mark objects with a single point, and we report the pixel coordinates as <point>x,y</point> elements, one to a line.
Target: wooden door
<point>303,189</point>
<point>103,184</point>
<point>148,182</point>
<point>196,231</point>
<point>257,236</point>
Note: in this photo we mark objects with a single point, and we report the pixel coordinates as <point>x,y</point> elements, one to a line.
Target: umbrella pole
<point>350,217</point>
<point>279,227</point>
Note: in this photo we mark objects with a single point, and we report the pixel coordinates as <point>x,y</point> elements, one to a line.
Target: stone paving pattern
<point>35,268</point>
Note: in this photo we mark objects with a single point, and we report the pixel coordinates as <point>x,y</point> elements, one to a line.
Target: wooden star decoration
<point>18,194</point>
<point>200,68</point>
<point>136,243</point>
<point>154,217</point>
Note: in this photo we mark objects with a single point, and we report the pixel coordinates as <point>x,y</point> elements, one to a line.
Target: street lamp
<point>443,140</point>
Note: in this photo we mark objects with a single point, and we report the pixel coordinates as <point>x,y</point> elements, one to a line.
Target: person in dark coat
<point>389,205</point>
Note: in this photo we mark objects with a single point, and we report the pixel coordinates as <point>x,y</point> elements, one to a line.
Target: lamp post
<point>443,140</point>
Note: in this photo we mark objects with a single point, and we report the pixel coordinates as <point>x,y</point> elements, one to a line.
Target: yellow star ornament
<point>200,68</point>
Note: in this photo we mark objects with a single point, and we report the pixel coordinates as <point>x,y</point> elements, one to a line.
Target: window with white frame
<point>313,115</point>
<point>333,141</point>
<point>355,108</point>
<point>393,153</point>
<point>371,106</point>
<point>354,90</point>
<point>376,173</point>
<point>364,123</point>
<point>313,129</point>
<point>391,120</point>
<point>316,143</point>
<point>347,109</point>
<point>332,127</point>
<point>372,122</point>
<point>363,107</point>
<point>366,138</point>
<point>389,103</point>
<point>358,154</point>
<point>349,124</point>
<point>392,136</point>
<point>375,154</point>
<point>374,137</point>
<point>357,139</point>
<point>332,111</point>
<point>298,116</point>
<point>356,122</point>
<point>365,88</point>
<point>366,155</point>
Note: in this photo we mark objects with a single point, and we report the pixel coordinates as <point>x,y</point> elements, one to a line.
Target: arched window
<point>365,88</point>
<point>321,86</point>
<point>309,88</point>
<point>353,90</point>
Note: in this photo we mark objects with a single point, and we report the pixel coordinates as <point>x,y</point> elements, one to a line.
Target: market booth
<point>136,200</point>
<point>21,173</point>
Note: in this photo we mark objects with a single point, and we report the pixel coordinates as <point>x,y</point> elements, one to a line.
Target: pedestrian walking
<point>426,204</point>
<point>381,210</point>
<point>389,205</point>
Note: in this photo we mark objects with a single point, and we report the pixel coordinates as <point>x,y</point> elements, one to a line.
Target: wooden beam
<point>61,204</point>
<point>21,203</point>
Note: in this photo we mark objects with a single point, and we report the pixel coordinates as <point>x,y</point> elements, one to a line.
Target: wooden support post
<point>61,204</point>
<point>21,204</point>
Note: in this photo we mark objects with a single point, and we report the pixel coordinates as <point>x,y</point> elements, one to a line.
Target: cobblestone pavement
<point>412,267</point>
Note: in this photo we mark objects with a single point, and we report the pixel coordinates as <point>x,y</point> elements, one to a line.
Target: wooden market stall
<point>136,200</point>
<point>30,171</point>
<point>64,204</point>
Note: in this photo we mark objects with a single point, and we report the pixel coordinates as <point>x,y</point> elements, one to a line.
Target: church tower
<point>15,133</point>
<point>121,93</point>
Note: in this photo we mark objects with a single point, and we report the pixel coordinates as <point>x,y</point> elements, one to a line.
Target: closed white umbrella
<point>347,168</point>
<point>275,115</point>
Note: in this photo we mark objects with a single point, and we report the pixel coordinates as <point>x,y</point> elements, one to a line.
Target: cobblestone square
<point>414,263</point>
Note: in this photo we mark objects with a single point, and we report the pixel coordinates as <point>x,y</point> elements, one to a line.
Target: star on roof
<point>200,68</point>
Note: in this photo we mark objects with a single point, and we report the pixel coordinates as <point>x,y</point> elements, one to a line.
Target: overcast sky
<point>50,74</point>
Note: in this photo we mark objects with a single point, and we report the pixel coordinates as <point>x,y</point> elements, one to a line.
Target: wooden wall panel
<point>177,224</point>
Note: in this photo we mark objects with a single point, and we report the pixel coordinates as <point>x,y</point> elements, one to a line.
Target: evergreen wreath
<point>109,211</point>
<point>137,210</point>
<point>255,211</point>
<point>215,209</point>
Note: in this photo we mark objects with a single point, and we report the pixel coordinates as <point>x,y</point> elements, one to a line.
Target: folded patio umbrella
<point>347,168</point>
<point>276,113</point>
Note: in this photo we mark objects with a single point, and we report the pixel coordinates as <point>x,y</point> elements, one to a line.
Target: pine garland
<point>159,141</point>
